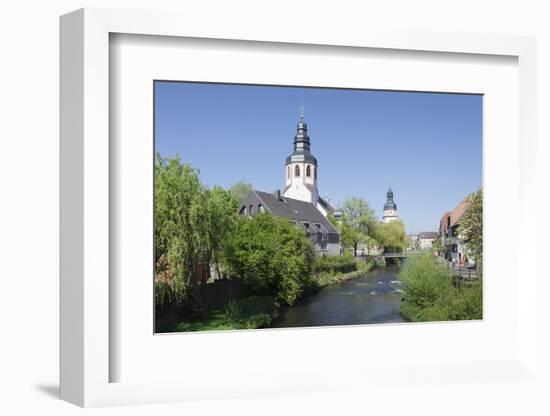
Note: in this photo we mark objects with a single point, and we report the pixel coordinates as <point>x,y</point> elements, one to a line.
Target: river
<point>372,298</point>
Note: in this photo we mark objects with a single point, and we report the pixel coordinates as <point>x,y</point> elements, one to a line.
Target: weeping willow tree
<point>392,236</point>
<point>191,225</point>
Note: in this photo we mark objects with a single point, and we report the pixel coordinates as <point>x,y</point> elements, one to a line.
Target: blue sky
<point>426,146</point>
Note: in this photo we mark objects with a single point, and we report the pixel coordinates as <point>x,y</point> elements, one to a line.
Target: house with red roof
<point>449,229</point>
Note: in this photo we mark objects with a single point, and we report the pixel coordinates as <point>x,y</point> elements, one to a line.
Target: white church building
<point>300,200</point>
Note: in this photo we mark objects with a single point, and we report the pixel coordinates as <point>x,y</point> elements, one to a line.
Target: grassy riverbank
<point>328,278</point>
<point>249,313</point>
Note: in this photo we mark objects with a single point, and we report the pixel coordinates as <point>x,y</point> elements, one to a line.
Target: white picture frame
<point>85,346</point>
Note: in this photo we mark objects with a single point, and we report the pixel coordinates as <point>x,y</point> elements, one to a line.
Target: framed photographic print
<point>290,201</point>
<point>314,251</point>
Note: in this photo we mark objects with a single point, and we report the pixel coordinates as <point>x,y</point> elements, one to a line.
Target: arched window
<point>308,171</point>
<point>297,170</point>
<point>315,172</point>
<point>288,172</point>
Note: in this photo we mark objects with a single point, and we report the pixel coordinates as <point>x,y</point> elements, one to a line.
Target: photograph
<point>295,207</point>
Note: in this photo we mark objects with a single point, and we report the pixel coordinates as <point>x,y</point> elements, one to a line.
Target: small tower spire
<point>389,196</point>
<point>390,208</point>
<point>301,139</point>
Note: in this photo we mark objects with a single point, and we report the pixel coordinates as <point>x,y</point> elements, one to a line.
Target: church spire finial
<point>302,111</point>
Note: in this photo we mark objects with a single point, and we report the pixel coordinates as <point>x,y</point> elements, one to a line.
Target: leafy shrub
<point>429,294</point>
<point>467,302</point>
<point>425,281</point>
<point>271,256</point>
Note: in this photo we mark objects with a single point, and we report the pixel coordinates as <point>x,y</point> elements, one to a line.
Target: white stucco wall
<point>296,188</point>
<point>389,216</point>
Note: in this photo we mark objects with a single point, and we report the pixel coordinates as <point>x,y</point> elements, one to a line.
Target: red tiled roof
<point>458,212</point>
<point>455,215</point>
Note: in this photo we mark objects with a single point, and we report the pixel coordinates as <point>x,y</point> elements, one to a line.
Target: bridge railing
<point>406,253</point>
<point>463,273</point>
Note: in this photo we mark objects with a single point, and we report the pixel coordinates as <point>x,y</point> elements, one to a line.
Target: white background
<point>29,204</point>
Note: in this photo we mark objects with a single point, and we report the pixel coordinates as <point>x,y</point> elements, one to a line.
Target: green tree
<point>240,190</point>
<point>357,223</point>
<point>192,225</point>
<point>272,257</point>
<point>222,214</point>
<point>391,236</point>
<point>180,234</point>
<point>370,242</point>
<point>349,238</point>
<point>471,227</point>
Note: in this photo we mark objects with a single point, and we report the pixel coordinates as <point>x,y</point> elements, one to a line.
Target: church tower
<point>390,208</point>
<point>301,169</point>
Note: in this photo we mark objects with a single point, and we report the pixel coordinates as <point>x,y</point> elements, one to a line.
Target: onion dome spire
<point>301,140</point>
<point>389,201</point>
<point>302,145</point>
